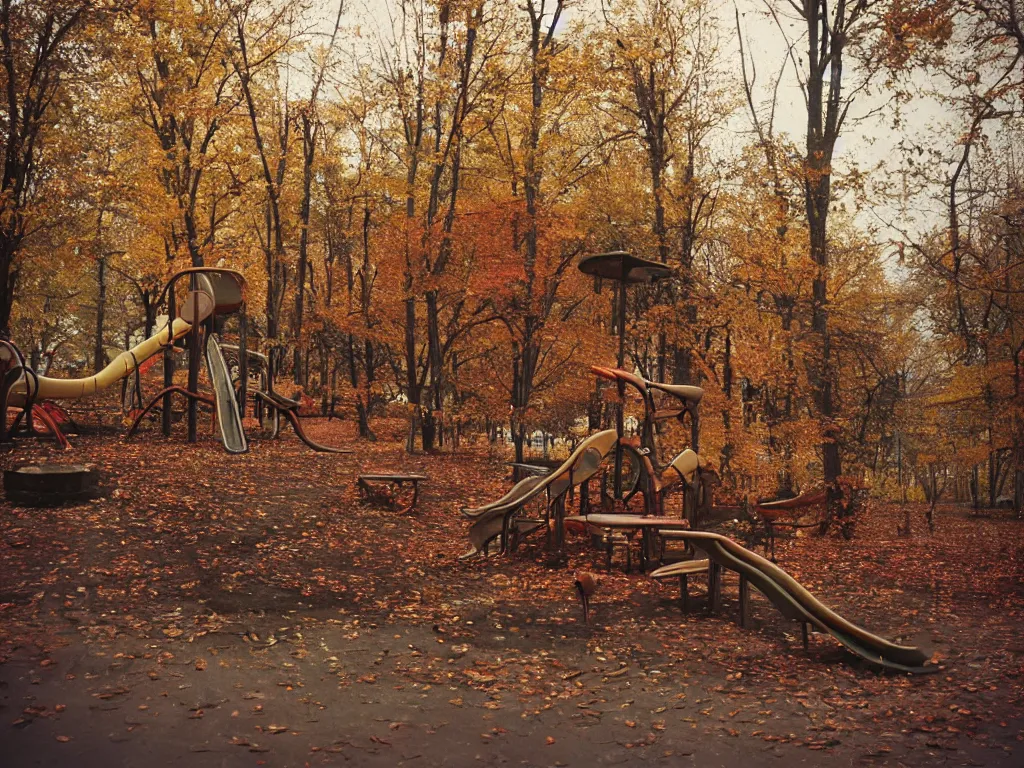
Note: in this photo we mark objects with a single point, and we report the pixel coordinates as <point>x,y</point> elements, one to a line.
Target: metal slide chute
<point>795,602</point>
<point>228,417</point>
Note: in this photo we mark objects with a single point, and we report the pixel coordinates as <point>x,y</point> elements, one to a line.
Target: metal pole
<point>620,409</point>
<point>243,360</point>
<point>193,364</point>
<point>165,416</point>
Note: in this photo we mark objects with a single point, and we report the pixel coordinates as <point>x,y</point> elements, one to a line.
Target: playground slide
<point>795,602</point>
<point>582,464</point>
<point>228,417</point>
<point>779,507</point>
<point>287,406</point>
<point>121,366</point>
<point>489,521</point>
<point>518,492</point>
<point>293,417</point>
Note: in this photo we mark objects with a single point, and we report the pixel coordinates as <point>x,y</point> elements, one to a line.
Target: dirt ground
<point>217,610</point>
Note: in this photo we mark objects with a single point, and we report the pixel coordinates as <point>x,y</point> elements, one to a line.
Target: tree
<point>43,45</point>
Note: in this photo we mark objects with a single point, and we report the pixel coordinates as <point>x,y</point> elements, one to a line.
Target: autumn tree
<point>667,95</point>
<point>44,44</point>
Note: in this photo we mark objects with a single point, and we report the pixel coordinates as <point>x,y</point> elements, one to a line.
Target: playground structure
<point>502,517</point>
<point>637,470</point>
<point>503,520</point>
<point>625,270</point>
<point>213,294</point>
<point>644,473</point>
<point>636,463</point>
<point>14,372</point>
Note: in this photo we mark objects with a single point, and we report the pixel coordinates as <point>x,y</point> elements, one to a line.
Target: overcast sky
<point>868,138</point>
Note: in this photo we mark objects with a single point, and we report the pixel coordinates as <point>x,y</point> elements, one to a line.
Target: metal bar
<point>165,416</point>
<point>243,360</point>
<point>620,411</point>
<point>193,366</point>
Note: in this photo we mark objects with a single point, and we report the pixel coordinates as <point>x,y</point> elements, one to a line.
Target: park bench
<point>682,569</point>
<point>365,483</point>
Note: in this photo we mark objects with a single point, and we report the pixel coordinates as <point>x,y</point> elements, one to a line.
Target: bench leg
<point>803,628</point>
<point>609,546</point>
<point>415,493</point>
<point>744,597</point>
<point>684,593</point>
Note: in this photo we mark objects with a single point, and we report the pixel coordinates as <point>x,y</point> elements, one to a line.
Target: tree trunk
<point>825,48</point>
<point>98,353</point>
<point>308,154</point>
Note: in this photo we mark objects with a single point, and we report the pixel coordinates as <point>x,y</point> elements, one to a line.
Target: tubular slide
<point>228,417</point>
<point>795,602</point>
<point>119,367</point>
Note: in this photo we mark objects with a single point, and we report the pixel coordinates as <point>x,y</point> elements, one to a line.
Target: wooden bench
<point>366,490</point>
<point>682,569</point>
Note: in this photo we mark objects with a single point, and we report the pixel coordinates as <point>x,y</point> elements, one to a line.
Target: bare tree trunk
<point>98,353</point>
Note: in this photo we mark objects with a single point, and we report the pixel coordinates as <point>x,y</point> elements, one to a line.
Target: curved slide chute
<point>288,407</point>
<point>43,387</point>
<point>795,602</point>
<point>493,520</point>
<point>228,416</point>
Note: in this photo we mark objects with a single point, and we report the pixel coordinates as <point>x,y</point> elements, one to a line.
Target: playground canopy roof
<point>623,267</point>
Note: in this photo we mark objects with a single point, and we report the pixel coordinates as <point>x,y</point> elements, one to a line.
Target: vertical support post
<point>560,523</point>
<point>803,629</point>
<point>714,575</point>
<point>547,520</point>
<point>243,360</point>
<point>165,416</point>
<point>193,367</point>
<point>684,592</point>
<point>620,411</point>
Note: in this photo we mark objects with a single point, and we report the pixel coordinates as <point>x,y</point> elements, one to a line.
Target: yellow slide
<point>123,365</point>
